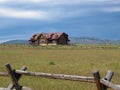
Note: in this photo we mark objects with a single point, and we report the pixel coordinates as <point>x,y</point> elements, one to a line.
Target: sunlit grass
<point>65,60</point>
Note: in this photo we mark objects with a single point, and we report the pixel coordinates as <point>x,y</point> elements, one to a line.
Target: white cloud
<point>3,1</point>
<point>50,14</point>
<point>111,9</point>
<point>1,41</point>
<point>41,9</point>
<point>62,1</point>
<point>11,36</point>
<point>22,13</point>
<point>24,0</point>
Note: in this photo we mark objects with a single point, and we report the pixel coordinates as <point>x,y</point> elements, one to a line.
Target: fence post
<point>18,76</point>
<point>12,76</point>
<point>108,77</point>
<point>97,80</point>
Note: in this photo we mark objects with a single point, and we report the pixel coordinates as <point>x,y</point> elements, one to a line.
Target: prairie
<point>73,60</point>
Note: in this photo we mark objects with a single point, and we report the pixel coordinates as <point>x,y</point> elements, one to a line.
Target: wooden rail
<point>101,83</point>
<point>54,76</point>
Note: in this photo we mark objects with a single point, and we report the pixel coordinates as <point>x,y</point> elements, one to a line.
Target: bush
<point>51,63</point>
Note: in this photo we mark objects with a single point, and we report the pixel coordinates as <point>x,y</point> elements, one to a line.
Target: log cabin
<point>49,39</point>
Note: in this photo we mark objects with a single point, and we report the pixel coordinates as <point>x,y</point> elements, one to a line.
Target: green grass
<point>72,60</point>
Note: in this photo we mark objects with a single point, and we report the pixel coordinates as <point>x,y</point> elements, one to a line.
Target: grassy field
<point>73,60</point>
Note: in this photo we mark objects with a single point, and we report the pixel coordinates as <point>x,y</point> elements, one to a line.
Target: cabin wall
<point>43,41</point>
<point>62,40</point>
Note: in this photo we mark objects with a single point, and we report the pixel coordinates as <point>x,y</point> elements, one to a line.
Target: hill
<point>89,40</point>
<point>73,40</point>
<point>16,42</point>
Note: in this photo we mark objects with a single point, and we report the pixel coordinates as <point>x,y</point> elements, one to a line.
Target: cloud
<point>24,0</point>
<point>13,37</point>
<point>50,14</point>
<point>62,1</point>
<point>22,13</point>
<point>1,1</point>
<point>1,41</point>
<point>111,9</point>
<point>54,9</point>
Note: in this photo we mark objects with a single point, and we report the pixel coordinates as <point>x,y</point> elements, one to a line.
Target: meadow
<point>73,60</point>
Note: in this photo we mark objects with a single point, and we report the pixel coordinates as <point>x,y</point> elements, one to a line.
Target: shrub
<point>51,63</point>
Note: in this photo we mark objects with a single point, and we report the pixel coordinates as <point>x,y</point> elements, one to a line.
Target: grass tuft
<point>51,63</point>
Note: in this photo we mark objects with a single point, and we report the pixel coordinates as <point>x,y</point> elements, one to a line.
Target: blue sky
<point>20,19</point>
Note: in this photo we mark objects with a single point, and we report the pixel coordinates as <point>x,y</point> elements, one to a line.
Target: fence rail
<point>101,83</point>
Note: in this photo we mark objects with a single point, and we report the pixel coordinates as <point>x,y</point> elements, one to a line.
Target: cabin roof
<point>53,35</point>
<point>49,35</point>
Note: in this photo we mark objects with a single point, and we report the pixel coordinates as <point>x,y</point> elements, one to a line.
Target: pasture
<point>73,60</point>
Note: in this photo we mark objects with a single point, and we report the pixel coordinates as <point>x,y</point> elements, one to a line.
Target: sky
<point>20,19</point>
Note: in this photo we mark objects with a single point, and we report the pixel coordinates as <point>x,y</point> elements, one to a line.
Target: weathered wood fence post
<point>14,77</point>
<point>18,76</point>
<point>97,78</point>
<point>108,77</point>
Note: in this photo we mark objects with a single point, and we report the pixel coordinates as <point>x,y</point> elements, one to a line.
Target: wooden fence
<point>101,83</point>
